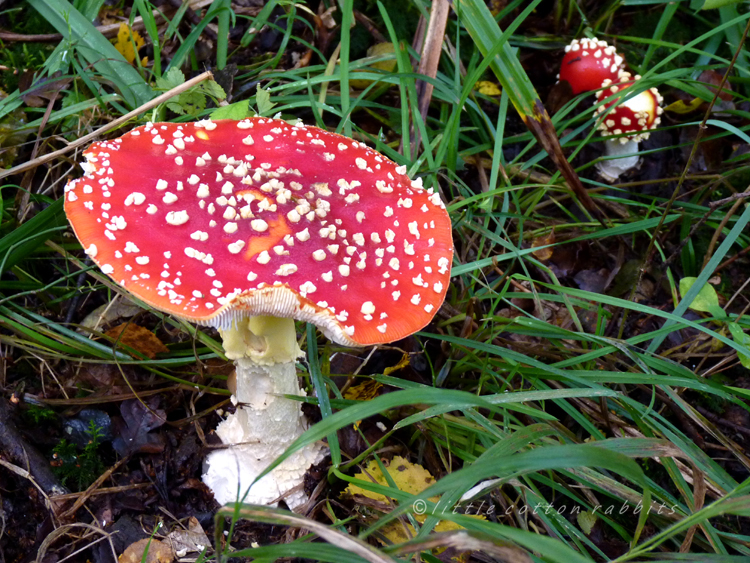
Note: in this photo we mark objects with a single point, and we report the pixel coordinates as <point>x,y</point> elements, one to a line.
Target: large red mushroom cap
<point>214,220</point>
<point>588,63</point>
<point>638,114</point>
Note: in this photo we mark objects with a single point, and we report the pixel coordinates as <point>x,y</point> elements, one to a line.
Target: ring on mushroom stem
<point>246,226</point>
<point>588,63</point>
<point>637,115</point>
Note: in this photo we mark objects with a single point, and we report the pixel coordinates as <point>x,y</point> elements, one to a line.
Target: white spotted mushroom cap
<point>638,114</point>
<point>589,62</point>
<point>214,220</point>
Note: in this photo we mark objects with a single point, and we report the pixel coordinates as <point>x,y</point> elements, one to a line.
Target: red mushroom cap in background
<point>214,220</point>
<point>588,63</point>
<point>638,114</point>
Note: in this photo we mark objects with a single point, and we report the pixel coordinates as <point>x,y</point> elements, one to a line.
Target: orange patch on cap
<point>278,228</point>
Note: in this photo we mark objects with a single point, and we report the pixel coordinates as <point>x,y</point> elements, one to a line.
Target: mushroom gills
<point>265,351</point>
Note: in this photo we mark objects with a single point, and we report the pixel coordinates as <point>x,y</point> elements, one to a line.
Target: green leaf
<point>213,89</point>
<point>740,337</point>
<point>707,272</point>
<point>171,79</point>
<point>707,301</point>
<point>191,102</point>
<point>263,101</point>
<point>586,521</point>
<point>237,111</point>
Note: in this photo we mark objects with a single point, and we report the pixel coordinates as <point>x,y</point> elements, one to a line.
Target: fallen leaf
<point>132,434</point>
<point>712,79</point>
<point>154,551</point>
<point>594,280</point>
<point>110,312</point>
<point>128,43</point>
<point>38,92</point>
<point>402,363</point>
<point>543,254</point>
<point>408,477</point>
<point>192,540</point>
<point>364,391</point>
<point>487,88</point>
<point>388,65</point>
<point>138,338</point>
<point>682,107</point>
<point>586,521</point>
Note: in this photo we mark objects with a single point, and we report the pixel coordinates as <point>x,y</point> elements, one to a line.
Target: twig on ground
<point>93,487</point>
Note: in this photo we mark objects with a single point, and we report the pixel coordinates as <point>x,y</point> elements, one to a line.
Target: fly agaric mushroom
<point>638,115</point>
<point>247,225</point>
<point>588,63</point>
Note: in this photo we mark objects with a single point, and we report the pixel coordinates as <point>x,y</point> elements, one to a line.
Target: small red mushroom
<point>635,116</point>
<point>245,225</point>
<point>588,63</point>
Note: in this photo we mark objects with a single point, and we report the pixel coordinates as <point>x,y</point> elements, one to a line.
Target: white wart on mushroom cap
<point>218,219</point>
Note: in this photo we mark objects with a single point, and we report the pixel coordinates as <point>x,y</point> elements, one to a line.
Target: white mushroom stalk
<point>621,156</point>
<point>247,225</point>
<point>265,423</point>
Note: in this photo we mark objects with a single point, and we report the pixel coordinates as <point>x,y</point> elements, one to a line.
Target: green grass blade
<point>96,49</point>
<point>492,42</point>
<point>21,241</point>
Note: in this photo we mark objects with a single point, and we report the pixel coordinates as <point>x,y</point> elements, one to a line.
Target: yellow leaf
<point>408,477</point>
<point>402,363</point>
<point>487,88</point>
<point>126,39</point>
<point>681,107</point>
<point>389,65</point>
<point>364,391</point>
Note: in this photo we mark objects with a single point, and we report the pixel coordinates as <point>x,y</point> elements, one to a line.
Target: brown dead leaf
<point>109,313</point>
<point>713,79</point>
<point>544,254</point>
<point>38,92</point>
<point>156,552</point>
<point>132,431</point>
<point>192,540</point>
<point>137,338</point>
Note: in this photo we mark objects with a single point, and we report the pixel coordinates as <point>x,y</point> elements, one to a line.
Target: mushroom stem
<point>622,156</point>
<point>265,351</point>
